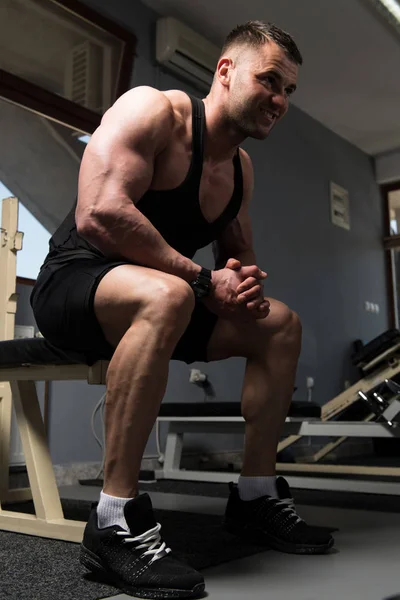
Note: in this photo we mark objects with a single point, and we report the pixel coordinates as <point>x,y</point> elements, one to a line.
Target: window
<point>39,164</point>
<point>394,211</point>
<point>391,194</point>
<point>63,60</point>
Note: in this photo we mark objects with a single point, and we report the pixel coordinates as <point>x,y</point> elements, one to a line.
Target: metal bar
<point>310,483</point>
<point>309,428</point>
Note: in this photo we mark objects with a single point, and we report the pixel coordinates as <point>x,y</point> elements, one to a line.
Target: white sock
<point>251,488</point>
<point>110,511</point>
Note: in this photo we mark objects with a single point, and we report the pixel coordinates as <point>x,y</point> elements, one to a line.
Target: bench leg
<point>49,519</point>
<point>8,496</point>
<point>173,453</point>
<point>5,433</point>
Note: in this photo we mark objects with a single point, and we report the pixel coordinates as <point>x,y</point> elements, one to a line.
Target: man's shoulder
<point>244,157</point>
<point>174,101</point>
<point>248,174</point>
<point>143,93</point>
<point>247,163</point>
<point>180,101</point>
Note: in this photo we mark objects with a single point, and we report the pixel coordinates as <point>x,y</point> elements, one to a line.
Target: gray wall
<point>323,272</point>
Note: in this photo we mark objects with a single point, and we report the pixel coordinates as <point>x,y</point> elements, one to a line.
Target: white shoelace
<point>149,539</point>
<point>289,503</point>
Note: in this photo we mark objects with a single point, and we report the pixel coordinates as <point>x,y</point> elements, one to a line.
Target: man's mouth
<point>271,116</point>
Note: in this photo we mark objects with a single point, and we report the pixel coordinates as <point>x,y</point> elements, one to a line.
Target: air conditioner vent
<point>84,76</point>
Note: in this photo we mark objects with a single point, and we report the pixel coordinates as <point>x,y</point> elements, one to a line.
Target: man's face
<point>262,82</point>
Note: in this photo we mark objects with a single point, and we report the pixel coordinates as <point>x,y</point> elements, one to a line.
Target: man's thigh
<point>77,305</point>
<point>130,286</point>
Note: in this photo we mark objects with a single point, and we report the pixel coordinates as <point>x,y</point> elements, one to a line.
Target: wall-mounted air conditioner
<point>185,52</point>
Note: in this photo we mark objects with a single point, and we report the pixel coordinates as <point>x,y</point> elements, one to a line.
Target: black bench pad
<point>297,409</point>
<point>35,351</point>
<point>375,347</point>
<point>38,351</point>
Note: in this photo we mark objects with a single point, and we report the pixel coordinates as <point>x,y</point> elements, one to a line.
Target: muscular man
<point>163,176</point>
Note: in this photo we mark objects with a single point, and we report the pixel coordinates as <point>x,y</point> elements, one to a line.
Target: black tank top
<point>175,213</point>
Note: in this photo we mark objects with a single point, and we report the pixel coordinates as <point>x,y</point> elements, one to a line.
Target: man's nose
<point>280,102</point>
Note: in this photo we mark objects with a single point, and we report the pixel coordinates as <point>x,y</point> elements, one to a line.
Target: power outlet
<point>196,376</point>
<point>310,382</point>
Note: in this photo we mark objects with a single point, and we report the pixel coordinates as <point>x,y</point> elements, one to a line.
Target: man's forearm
<point>247,257</point>
<point>132,236</point>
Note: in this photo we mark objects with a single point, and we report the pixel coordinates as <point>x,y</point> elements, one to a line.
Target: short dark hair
<point>257,33</point>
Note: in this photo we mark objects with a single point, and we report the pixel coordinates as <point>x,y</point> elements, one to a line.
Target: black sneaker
<point>284,492</point>
<point>274,523</point>
<point>137,561</point>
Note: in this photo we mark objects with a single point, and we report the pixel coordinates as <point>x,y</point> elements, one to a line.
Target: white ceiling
<point>350,80</point>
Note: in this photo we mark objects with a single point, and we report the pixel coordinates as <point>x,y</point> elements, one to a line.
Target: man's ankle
<point>110,511</point>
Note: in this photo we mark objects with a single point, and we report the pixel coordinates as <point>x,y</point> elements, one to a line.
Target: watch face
<point>201,292</point>
<point>200,289</point>
<point>201,286</point>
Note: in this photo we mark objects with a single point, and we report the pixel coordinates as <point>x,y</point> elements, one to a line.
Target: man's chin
<point>261,133</point>
<point>256,131</point>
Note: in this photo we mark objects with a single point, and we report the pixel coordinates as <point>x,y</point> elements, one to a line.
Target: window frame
<point>33,97</point>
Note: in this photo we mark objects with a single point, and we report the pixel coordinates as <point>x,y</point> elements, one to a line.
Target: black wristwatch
<point>201,286</point>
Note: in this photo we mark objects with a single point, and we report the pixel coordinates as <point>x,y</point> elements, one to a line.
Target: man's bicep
<point>112,175</point>
<point>119,160</point>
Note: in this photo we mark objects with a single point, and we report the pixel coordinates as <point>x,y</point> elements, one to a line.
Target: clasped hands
<point>251,292</point>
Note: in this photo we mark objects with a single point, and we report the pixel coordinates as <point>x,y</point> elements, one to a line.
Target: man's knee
<point>172,299</point>
<point>291,329</point>
<point>129,294</point>
<point>291,334</point>
<point>295,325</point>
<point>283,320</point>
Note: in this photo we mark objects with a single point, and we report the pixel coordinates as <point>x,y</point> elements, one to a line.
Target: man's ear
<point>224,70</point>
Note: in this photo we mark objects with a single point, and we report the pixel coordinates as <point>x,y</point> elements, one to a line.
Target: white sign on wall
<point>340,206</point>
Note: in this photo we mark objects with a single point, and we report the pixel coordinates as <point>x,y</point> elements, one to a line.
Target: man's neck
<point>221,139</point>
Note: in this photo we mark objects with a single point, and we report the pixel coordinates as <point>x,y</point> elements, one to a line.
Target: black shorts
<point>63,305</point>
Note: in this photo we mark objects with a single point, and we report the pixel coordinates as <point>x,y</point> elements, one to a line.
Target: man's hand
<point>251,292</point>
<point>223,299</point>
